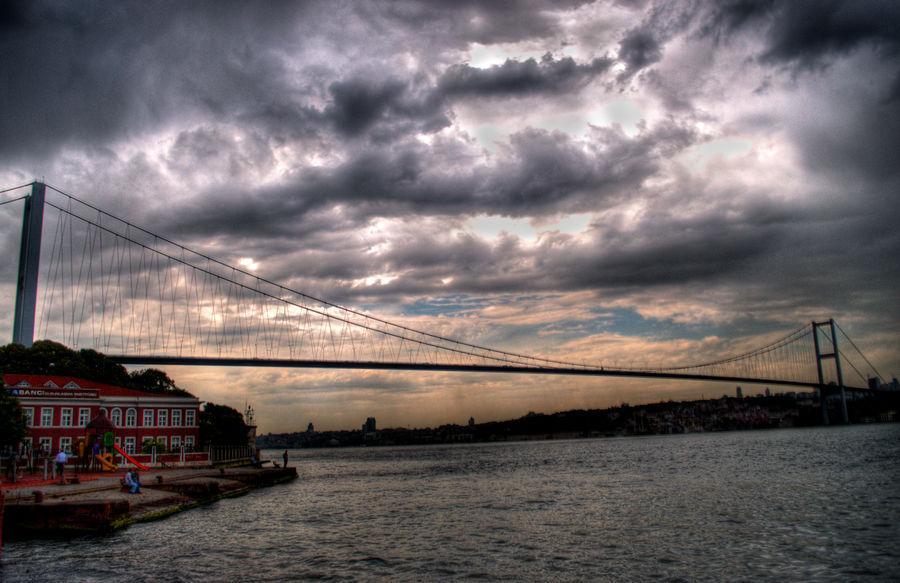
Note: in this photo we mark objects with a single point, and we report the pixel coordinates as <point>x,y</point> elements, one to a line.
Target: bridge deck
<point>596,371</point>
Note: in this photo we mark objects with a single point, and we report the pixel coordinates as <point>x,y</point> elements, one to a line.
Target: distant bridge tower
<point>820,356</point>
<point>29,261</point>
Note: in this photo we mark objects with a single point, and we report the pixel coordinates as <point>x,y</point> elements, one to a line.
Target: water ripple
<point>787,505</point>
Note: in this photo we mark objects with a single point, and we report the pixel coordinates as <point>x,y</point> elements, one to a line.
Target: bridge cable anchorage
<point>147,295</point>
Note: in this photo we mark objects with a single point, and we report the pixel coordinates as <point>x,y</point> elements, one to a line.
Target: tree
<point>151,380</point>
<point>12,420</point>
<point>222,425</point>
<point>149,442</point>
<point>51,358</point>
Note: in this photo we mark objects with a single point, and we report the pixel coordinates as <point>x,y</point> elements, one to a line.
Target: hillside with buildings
<point>723,414</point>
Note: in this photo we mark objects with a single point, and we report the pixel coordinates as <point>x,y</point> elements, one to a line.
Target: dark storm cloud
<point>464,21</point>
<point>213,149</point>
<point>806,33</point>
<point>87,72</point>
<point>385,110</point>
<point>841,57</point>
<point>727,17</point>
<point>100,71</point>
<point>660,252</point>
<point>543,172</point>
<point>550,172</point>
<point>859,130</point>
<point>858,144</point>
<point>96,72</point>
<point>850,135</point>
<point>521,78</point>
<point>663,250</point>
<point>639,49</point>
<point>358,104</point>
<point>382,110</point>
<point>128,68</point>
<point>798,35</point>
<point>238,83</point>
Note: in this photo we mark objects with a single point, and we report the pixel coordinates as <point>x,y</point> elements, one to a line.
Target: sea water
<point>817,504</point>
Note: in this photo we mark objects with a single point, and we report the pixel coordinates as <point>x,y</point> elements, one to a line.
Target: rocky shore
<point>100,504</point>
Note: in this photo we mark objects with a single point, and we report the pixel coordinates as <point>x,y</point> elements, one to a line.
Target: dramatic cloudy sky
<point>620,179</point>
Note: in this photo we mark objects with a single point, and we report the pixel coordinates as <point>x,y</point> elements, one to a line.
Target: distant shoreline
<point>668,417</point>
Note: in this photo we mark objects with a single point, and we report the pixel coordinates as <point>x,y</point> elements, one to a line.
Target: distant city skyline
<point>599,181</point>
<point>757,411</point>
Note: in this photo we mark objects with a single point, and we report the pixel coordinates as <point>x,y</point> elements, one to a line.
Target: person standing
<point>284,456</point>
<point>14,462</point>
<point>61,459</point>
<point>95,465</point>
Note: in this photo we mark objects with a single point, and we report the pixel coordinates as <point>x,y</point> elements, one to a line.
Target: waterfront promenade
<point>97,502</point>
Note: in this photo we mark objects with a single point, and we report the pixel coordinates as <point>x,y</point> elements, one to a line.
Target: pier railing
<point>229,453</point>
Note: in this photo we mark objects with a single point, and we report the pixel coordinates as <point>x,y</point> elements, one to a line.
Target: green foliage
<point>51,358</point>
<point>222,425</point>
<point>151,380</point>
<point>147,446</point>
<point>12,421</point>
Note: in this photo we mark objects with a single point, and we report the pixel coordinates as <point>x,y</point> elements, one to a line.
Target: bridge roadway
<point>375,365</point>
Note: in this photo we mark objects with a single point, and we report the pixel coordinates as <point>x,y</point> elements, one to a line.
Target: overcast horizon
<point>611,181</point>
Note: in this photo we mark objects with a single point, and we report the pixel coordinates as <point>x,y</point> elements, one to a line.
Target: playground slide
<point>131,459</point>
<point>106,464</point>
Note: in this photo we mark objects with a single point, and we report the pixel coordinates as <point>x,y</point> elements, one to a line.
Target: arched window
<point>131,418</point>
<point>116,417</point>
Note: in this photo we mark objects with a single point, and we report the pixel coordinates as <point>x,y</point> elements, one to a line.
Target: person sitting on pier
<point>131,480</point>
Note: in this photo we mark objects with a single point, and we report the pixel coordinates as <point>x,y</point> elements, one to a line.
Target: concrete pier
<point>102,505</point>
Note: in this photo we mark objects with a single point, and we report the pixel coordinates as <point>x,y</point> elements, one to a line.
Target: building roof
<point>101,421</point>
<point>61,382</point>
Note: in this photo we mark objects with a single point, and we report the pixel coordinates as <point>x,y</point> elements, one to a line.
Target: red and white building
<point>59,408</point>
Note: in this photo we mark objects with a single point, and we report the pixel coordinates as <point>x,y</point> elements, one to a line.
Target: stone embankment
<point>102,505</point>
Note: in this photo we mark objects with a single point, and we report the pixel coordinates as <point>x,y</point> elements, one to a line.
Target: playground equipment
<point>129,458</point>
<point>100,431</point>
<point>106,462</point>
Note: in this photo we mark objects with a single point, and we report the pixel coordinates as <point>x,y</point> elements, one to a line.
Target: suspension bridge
<point>143,299</point>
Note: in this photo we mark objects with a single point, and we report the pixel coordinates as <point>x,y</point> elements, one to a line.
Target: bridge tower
<point>820,356</point>
<point>29,260</point>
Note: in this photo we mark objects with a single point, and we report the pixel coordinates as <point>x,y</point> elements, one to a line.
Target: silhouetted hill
<point>723,414</point>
